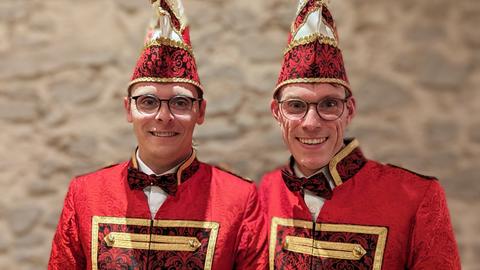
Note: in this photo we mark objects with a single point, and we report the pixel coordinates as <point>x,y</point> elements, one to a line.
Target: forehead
<point>311,91</point>
<point>164,89</point>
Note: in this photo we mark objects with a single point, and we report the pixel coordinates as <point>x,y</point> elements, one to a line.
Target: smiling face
<point>164,139</point>
<point>311,140</point>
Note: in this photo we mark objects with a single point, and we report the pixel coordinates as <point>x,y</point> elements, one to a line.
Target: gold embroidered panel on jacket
<point>132,241</point>
<point>306,243</point>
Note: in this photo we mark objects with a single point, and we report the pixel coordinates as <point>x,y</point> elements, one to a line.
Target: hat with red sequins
<point>167,55</point>
<point>312,54</point>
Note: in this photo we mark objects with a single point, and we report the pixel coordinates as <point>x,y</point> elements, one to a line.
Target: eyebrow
<point>144,90</point>
<point>297,97</point>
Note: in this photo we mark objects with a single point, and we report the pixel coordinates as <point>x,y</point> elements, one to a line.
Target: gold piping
<point>157,242</point>
<point>185,165</point>
<point>311,38</point>
<point>337,158</point>
<point>382,233</point>
<point>325,249</point>
<point>169,42</point>
<point>134,159</point>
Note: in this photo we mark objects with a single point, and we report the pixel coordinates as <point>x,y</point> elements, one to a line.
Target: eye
<point>295,106</point>
<point>148,101</point>
<point>180,103</point>
<point>329,103</point>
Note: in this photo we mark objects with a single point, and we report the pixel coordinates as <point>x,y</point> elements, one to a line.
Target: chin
<point>313,162</point>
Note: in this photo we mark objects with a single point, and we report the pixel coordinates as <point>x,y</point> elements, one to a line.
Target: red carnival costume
<point>210,223</point>
<point>209,219</point>
<point>373,216</point>
<point>378,217</point>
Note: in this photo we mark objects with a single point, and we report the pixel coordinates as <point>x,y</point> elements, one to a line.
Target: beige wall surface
<point>64,65</point>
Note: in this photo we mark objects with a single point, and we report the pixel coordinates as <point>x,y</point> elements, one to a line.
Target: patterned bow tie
<point>317,184</point>
<point>140,180</point>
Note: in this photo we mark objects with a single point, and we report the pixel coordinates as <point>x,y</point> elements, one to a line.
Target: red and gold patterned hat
<point>167,55</point>
<point>312,54</point>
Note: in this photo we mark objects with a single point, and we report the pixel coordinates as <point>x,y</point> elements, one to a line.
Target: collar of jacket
<point>345,164</point>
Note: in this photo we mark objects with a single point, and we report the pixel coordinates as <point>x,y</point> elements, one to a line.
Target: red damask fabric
<point>410,209</point>
<point>314,60</point>
<point>166,62</point>
<point>210,196</point>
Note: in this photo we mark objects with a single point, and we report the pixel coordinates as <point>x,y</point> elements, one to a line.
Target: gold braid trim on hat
<point>166,80</point>
<point>313,80</point>
<point>309,39</point>
<point>168,42</point>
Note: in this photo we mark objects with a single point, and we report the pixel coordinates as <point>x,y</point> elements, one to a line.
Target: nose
<point>311,120</point>
<point>164,113</point>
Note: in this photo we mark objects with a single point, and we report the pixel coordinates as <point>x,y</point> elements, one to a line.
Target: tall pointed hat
<point>167,55</point>
<point>312,54</point>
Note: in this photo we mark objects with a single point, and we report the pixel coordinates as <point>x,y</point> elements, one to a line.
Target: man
<point>163,209</point>
<point>330,207</point>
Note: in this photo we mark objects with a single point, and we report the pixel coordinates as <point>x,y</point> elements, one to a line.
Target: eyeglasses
<point>178,105</point>
<point>328,109</point>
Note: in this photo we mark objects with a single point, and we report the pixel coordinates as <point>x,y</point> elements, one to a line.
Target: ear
<point>351,109</point>
<point>275,109</point>
<point>201,112</point>
<point>128,109</point>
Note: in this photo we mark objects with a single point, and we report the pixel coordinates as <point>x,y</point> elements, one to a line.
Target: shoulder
<point>403,172</point>
<point>105,172</point>
<point>397,179</point>
<point>225,173</point>
<point>271,177</point>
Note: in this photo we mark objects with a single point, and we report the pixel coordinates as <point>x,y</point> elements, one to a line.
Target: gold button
<point>358,252</point>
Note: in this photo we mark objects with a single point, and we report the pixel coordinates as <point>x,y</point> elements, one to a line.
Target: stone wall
<point>64,66</point>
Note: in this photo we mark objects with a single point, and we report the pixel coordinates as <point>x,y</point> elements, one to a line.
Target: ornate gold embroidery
<point>165,80</point>
<point>337,158</point>
<point>168,42</point>
<point>312,80</point>
<point>343,251</point>
<point>156,242</point>
<point>334,248</point>
<point>308,39</point>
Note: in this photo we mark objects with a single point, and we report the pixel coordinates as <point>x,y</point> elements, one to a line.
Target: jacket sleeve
<point>433,244</point>
<point>252,248</point>
<point>67,250</point>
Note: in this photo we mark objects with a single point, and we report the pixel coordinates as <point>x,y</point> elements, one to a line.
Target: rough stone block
<point>23,219</point>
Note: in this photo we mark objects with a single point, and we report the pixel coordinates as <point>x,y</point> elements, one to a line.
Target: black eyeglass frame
<point>135,98</point>
<point>344,101</point>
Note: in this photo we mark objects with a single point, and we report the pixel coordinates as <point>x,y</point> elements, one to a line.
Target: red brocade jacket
<point>379,217</point>
<point>211,222</point>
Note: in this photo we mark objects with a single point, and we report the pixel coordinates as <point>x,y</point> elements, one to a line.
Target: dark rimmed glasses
<point>328,109</point>
<point>178,105</point>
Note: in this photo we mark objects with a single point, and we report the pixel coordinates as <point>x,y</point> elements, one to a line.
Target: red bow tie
<point>140,180</point>
<point>317,184</point>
